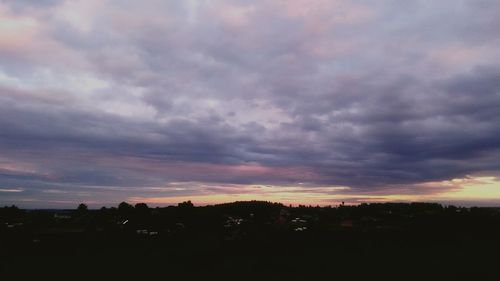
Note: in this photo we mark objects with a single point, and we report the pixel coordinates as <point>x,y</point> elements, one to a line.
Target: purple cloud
<point>374,97</point>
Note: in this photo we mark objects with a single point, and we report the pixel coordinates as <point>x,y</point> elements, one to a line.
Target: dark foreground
<point>253,240</point>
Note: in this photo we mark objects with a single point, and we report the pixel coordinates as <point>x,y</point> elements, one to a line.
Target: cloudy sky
<point>296,101</point>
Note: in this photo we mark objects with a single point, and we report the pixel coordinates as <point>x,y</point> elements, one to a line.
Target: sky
<point>293,101</point>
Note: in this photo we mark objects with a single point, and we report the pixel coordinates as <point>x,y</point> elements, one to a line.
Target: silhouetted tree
<point>82,208</point>
<point>125,209</point>
<point>124,206</point>
<point>186,204</point>
<point>142,209</point>
<point>141,206</point>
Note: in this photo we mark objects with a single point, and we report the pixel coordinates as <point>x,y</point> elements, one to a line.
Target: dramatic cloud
<point>317,101</point>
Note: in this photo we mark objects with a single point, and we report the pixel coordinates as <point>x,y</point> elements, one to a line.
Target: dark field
<point>253,240</point>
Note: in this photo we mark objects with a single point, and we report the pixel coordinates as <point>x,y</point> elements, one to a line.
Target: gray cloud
<point>373,97</point>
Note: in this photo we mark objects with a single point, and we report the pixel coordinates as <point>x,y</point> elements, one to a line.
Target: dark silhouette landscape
<point>254,239</point>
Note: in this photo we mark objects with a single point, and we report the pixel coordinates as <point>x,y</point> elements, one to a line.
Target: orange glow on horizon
<point>467,189</point>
